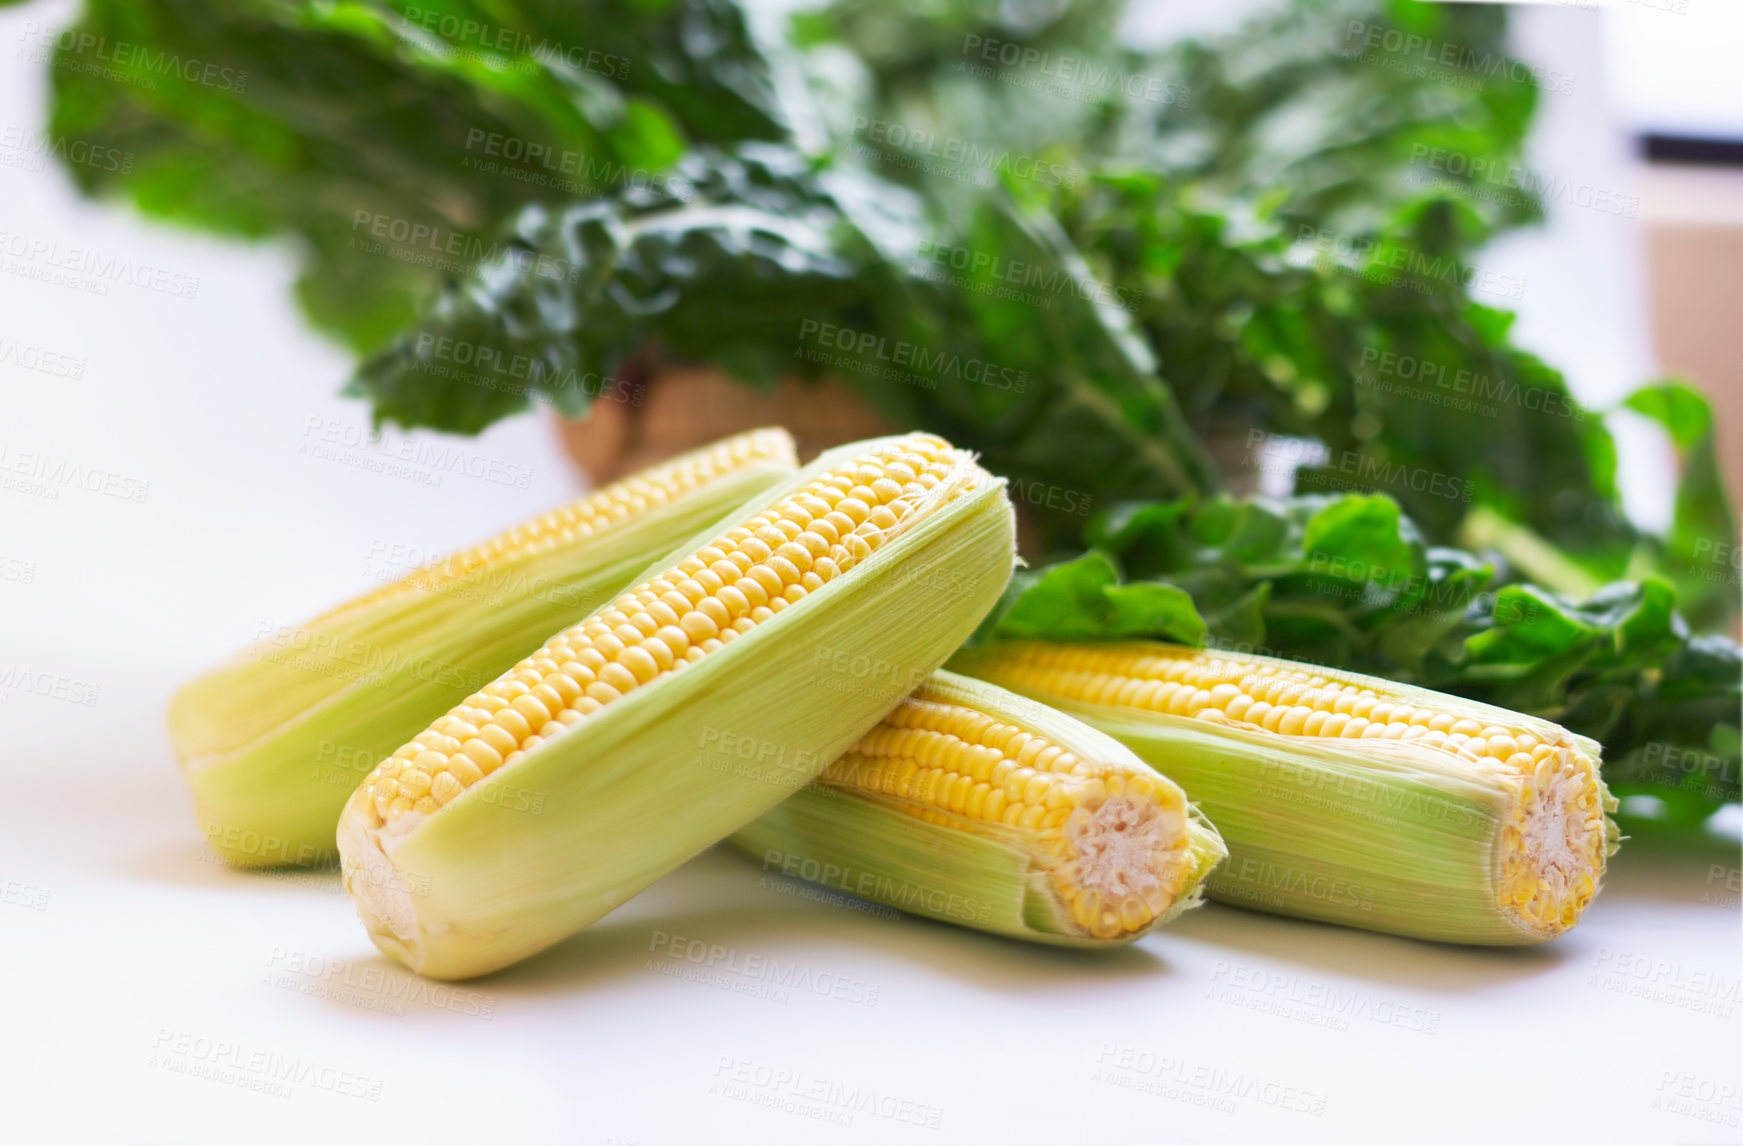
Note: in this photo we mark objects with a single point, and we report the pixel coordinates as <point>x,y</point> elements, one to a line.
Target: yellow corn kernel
<point>624,667</point>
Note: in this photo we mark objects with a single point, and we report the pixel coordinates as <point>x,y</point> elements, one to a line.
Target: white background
<point>134,957</point>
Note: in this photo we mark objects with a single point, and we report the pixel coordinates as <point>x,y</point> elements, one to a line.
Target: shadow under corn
<point>191,863</point>
<point>1675,865</point>
<point>722,900</point>
<point>1446,968</point>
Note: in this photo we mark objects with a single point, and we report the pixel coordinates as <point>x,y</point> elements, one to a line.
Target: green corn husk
<point>273,743</point>
<point>880,826</point>
<point>453,877</point>
<point>1417,833</point>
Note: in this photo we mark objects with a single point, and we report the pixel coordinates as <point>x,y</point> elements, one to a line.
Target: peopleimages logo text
<point>141,59</point>
<point>933,364</point>
<point>1360,36</point>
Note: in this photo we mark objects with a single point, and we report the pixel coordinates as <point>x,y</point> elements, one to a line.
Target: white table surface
<point>151,995</point>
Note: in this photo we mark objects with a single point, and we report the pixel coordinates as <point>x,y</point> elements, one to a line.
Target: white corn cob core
<point>1112,838</point>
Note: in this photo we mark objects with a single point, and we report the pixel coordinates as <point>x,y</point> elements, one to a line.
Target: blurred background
<point>300,296</point>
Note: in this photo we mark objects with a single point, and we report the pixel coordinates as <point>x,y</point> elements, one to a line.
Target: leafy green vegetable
<point>1258,232</point>
<point>1702,554</point>
<point>1356,110</point>
<point>1323,297</point>
<point>1082,599</point>
<point>393,150</point>
<point>769,266</point>
<point>1410,388</point>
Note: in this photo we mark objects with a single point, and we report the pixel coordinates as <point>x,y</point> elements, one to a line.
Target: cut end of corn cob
<point>271,741</point>
<point>1106,847</point>
<point>1111,836</point>
<point>850,506</point>
<point>1542,782</point>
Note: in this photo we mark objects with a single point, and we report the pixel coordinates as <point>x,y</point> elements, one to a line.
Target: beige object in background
<point>686,406</point>
<point>1694,239</point>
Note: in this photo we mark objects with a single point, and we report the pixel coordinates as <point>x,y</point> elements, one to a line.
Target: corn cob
<point>973,805</point>
<point>891,550</point>
<point>273,742</point>
<point>1347,798</point>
